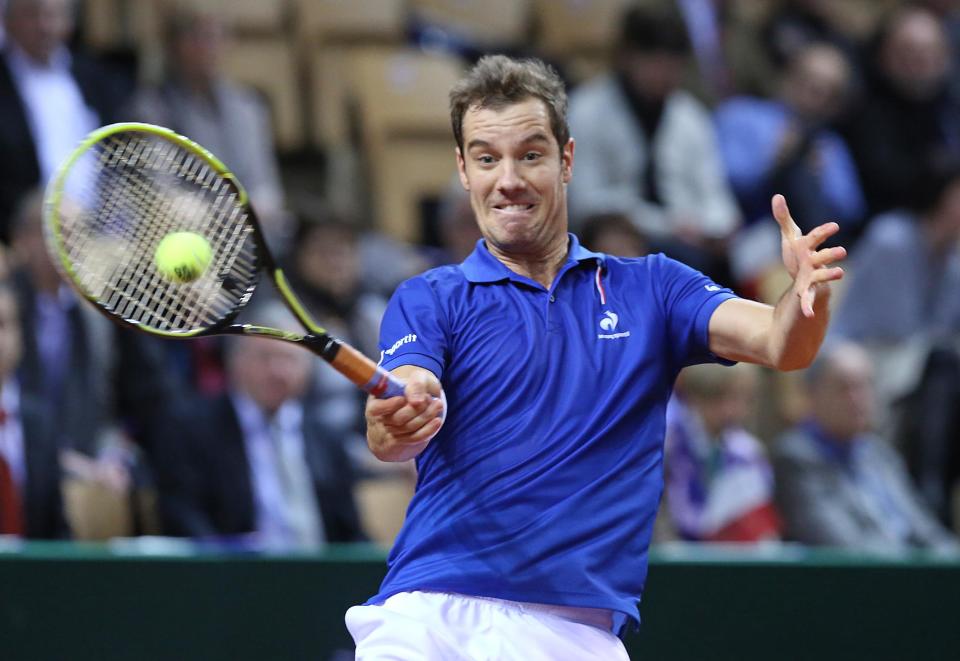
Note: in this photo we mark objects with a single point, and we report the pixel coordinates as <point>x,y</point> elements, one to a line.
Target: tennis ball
<point>182,256</point>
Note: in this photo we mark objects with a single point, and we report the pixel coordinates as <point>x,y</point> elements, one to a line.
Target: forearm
<point>794,339</point>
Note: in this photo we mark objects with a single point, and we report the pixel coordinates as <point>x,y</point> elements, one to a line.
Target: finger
<point>417,390</point>
<point>782,215</point>
<point>821,233</point>
<point>419,436</point>
<point>408,420</point>
<point>378,408</point>
<point>820,276</point>
<point>828,256</point>
<point>807,299</point>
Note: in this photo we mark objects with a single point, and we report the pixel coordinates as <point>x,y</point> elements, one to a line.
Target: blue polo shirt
<point>543,484</point>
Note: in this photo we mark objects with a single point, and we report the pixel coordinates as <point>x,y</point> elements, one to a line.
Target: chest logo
<point>608,324</point>
<point>609,321</point>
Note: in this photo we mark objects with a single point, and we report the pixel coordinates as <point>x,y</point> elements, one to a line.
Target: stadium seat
<point>577,32</point>
<point>270,66</point>
<point>401,99</point>
<point>486,24</point>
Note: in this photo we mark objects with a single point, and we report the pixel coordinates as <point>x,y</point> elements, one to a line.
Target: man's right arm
<point>399,428</point>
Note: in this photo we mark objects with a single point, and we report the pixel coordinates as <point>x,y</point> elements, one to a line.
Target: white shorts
<point>437,626</point>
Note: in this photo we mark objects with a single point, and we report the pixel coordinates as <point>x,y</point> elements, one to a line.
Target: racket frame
<point>351,363</point>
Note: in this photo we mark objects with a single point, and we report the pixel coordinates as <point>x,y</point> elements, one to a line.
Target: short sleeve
<point>690,299</point>
<point>413,329</point>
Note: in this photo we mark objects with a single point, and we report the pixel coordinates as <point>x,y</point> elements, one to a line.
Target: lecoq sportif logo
<point>609,323</point>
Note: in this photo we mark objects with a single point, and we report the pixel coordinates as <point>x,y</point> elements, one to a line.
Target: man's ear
<point>462,170</point>
<point>566,161</point>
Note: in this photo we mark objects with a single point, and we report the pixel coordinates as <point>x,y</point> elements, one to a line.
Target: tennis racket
<point>127,187</point>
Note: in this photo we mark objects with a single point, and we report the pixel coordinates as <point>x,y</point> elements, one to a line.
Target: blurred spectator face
<point>653,75</point>
<point>328,259</point>
<point>613,234</point>
<point>458,228</point>
<point>915,55</point>
<point>816,83</point>
<point>39,27</point>
<point>269,372</point>
<point>728,402</point>
<point>10,339</point>
<point>842,395</point>
<point>197,47</point>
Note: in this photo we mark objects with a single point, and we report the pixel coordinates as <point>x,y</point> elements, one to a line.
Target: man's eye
<point>531,156</point>
<point>485,159</point>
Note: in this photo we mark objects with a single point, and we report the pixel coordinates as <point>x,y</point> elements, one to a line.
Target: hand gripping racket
<point>129,186</point>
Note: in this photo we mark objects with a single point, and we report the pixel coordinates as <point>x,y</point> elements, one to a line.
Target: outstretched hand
<point>806,262</point>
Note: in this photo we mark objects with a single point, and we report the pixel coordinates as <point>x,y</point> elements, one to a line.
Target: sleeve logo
<point>410,337</point>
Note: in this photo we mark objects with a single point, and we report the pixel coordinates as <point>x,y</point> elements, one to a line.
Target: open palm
<point>805,261</point>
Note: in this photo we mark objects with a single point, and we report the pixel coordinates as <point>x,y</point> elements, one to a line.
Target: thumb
<point>781,213</point>
<point>417,389</point>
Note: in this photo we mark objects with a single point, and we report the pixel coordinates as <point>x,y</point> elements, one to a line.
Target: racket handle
<point>393,388</point>
<point>364,372</point>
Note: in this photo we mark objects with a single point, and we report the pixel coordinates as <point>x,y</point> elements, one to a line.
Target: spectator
<point>838,483</point>
<point>902,302</point>
<point>50,98</point>
<point>785,145</point>
<point>647,149</point>
<point>197,100</point>
<point>908,124</point>
<point>719,484</point>
<point>326,274</point>
<point>798,23</point>
<point>31,504</point>
<point>256,465</point>
<point>614,234</point>
<point>108,385</point>
<point>458,231</point>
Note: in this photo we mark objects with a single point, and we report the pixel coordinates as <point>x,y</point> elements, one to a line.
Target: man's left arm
<point>786,336</point>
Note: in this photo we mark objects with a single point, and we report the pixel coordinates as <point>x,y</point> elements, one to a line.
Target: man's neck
<point>541,267</point>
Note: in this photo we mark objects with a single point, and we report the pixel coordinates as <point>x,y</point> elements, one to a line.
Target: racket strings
<point>141,188</point>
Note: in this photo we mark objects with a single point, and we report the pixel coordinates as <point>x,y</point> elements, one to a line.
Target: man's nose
<point>510,178</point>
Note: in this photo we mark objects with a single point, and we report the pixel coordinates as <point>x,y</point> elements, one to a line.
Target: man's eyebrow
<point>477,143</point>
<point>533,137</point>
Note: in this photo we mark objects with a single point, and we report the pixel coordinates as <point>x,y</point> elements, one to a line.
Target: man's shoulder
<point>439,278</point>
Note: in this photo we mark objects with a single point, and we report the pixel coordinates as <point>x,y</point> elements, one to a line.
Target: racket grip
<point>394,386</point>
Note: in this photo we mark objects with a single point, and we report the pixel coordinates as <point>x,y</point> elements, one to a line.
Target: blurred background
<point>245,461</point>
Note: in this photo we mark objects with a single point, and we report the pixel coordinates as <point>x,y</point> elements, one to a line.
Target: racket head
<point>124,189</point>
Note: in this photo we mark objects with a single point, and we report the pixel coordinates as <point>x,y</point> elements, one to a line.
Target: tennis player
<point>527,537</point>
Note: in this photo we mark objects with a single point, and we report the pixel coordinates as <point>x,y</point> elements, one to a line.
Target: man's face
<point>270,372</point>
<point>516,175</point>
<point>39,27</point>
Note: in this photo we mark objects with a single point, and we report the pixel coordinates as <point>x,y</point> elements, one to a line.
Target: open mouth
<point>514,208</point>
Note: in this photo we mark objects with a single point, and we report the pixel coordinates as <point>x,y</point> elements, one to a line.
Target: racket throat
<point>324,346</point>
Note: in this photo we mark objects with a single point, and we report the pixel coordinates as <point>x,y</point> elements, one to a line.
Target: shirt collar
<point>481,266</point>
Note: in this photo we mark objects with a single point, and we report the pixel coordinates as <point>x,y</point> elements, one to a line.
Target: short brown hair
<point>497,81</point>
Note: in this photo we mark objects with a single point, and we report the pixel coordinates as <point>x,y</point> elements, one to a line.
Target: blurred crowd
<point>685,126</point>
